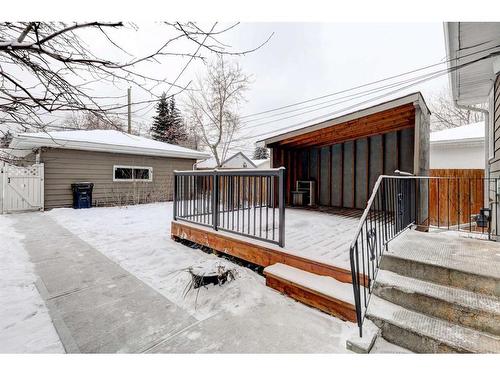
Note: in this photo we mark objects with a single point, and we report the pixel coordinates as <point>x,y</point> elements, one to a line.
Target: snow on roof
<point>258,162</point>
<point>104,141</point>
<point>466,132</point>
<point>211,163</point>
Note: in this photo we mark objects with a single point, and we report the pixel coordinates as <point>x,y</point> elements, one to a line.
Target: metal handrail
<point>383,219</point>
<point>398,202</point>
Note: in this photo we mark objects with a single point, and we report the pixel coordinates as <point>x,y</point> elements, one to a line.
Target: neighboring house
<point>474,60</point>
<point>124,168</point>
<point>262,163</point>
<point>458,148</point>
<point>236,161</point>
<point>345,155</point>
<point>477,82</point>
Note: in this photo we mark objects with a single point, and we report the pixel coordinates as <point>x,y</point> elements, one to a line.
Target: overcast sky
<point>301,61</point>
<point>307,60</point>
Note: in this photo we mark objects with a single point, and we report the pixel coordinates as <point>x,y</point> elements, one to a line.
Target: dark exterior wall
<point>495,137</point>
<point>64,167</point>
<point>345,173</point>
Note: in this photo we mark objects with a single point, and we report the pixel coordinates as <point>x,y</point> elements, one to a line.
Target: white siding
<point>462,155</point>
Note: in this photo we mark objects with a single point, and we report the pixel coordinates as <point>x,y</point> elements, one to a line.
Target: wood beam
<point>344,135</point>
<point>330,175</point>
<point>360,126</point>
<point>253,251</point>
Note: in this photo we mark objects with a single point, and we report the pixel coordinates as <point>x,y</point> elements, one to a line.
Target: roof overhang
<point>25,141</point>
<point>468,142</point>
<point>409,101</point>
<point>470,80</point>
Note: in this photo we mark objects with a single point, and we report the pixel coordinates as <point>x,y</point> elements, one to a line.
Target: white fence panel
<point>21,188</point>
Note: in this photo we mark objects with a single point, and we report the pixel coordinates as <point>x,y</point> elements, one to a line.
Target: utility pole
<point>129,92</point>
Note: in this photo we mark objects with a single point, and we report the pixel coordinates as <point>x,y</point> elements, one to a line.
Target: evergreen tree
<point>168,125</point>
<point>161,120</point>
<point>260,153</point>
<point>176,131</point>
<point>5,139</point>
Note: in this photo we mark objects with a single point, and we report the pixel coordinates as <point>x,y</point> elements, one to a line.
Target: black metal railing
<point>398,202</point>
<point>392,207</point>
<point>248,202</point>
<point>464,204</point>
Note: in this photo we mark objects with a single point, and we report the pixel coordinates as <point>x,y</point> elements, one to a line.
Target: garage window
<point>132,173</point>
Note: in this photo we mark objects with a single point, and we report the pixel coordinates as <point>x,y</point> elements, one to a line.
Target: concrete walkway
<point>96,306</point>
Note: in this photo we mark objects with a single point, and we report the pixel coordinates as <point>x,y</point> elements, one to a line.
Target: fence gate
<point>21,188</point>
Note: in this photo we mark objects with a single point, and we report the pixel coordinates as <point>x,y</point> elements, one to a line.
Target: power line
<point>356,95</point>
<point>368,84</point>
<point>427,77</point>
<point>338,101</point>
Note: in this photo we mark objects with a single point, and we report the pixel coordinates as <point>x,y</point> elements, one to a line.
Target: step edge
<point>316,292</point>
<point>454,344</point>
<point>415,290</point>
<point>468,272</point>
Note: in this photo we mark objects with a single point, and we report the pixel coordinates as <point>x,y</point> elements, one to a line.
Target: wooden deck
<point>317,241</point>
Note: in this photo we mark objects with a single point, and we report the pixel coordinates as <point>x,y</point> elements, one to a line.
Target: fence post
<point>175,195</point>
<point>215,201</point>
<point>281,201</point>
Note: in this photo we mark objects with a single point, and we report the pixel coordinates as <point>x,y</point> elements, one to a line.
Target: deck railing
<point>248,202</point>
<point>398,202</point>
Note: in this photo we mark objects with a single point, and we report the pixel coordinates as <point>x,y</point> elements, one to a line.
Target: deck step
<point>470,309</point>
<point>322,292</point>
<point>421,333</point>
<point>446,259</point>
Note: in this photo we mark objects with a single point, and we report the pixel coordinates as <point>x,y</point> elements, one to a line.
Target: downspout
<point>486,146</point>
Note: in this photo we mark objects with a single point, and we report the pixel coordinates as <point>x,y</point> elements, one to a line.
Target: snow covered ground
<point>138,239</point>
<point>320,235</point>
<point>25,324</point>
<point>242,316</point>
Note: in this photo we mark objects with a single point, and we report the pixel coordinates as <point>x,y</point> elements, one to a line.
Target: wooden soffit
<point>378,123</point>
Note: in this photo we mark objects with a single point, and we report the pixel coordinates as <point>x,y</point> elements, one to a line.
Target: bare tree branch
<point>50,67</point>
<point>446,115</point>
<point>213,107</point>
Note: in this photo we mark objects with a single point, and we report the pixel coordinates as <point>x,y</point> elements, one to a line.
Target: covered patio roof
<point>382,118</point>
<point>474,47</point>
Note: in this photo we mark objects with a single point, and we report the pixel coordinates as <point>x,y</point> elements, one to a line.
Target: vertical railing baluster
<point>273,202</point>
<point>249,202</point>
<point>238,178</point>
<point>438,201</point>
<point>215,200</point>
<point>448,200</point>
<point>268,193</point>
<point>281,207</point>
<point>470,211</point>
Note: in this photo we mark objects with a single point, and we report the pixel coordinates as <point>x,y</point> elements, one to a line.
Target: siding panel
<point>495,162</point>
<point>64,167</point>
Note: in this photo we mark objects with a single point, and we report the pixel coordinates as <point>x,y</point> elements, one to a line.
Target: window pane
<point>123,173</point>
<point>141,174</point>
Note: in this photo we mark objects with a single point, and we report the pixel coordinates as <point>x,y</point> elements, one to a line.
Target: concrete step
<point>421,333</point>
<point>322,292</point>
<point>446,259</point>
<point>470,309</point>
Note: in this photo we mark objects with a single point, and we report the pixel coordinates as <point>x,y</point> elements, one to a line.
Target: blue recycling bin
<point>82,194</point>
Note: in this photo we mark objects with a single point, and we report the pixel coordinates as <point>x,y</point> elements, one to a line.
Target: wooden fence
<point>454,200</point>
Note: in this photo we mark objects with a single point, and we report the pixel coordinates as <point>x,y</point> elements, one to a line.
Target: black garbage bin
<point>82,194</point>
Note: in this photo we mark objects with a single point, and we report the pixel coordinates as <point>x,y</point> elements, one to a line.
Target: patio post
<point>215,200</point>
<point>175,195</point>
<point>281,199</point>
